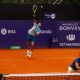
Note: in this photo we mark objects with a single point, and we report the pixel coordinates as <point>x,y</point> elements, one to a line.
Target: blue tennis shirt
<point>73,64</point>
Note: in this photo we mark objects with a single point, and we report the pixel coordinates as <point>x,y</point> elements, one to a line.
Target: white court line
<point>42,74</point>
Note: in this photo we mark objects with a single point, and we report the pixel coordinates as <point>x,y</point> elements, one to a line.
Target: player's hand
<point>36,35</point>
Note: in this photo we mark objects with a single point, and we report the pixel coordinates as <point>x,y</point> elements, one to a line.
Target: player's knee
<point>70,69</point>
<point>32,43</point>
<point>27,43</point>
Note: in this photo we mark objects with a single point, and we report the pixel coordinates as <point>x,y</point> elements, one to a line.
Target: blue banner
<point>54,34</point>
<point>68,32</point>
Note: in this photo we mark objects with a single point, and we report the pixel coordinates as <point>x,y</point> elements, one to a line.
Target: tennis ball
<point>41,6</point>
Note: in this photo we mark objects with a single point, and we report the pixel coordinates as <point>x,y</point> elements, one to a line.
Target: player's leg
<point>28,44</point>
<point>27,51</point>
<point>31,50</point>
<point>32,45</point>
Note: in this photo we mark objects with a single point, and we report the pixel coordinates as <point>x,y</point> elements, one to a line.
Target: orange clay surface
<point>42,61</point>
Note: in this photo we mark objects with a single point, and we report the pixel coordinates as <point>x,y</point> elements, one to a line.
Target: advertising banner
<point>53,33</point>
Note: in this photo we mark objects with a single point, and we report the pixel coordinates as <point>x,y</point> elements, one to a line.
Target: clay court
<point>42,61</point>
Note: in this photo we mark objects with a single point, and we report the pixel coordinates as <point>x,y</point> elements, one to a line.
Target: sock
<point>27,51</point>
<point>30,54</point>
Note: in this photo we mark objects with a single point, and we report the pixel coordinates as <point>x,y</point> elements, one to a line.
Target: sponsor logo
<point>70,37</point>
<point>5,31</point>
<point>69,27</point>
<point>50,16</point>
<point>46,32</point>
<point>55,40</point>
<point>69,44</point>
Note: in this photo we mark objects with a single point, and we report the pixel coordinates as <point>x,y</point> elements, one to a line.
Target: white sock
<point>27,51</point>
<point>30,54</point>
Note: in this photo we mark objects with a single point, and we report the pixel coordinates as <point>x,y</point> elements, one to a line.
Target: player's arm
<point>34,20</point>
<point>36,33</point>
<point>77,65</point>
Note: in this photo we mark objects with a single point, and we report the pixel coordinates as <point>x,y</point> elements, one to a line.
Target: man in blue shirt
<point>31,37</point>
<point>75,66</point>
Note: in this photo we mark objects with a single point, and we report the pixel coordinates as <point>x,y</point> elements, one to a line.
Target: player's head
<point>39,24</point>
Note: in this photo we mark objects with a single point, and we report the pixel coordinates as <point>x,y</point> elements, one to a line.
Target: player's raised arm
<point>34,21</point>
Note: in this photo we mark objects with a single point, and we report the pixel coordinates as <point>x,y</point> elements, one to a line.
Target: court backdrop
<point>60,26</point>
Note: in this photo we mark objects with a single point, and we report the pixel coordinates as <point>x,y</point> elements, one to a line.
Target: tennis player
<point>31,37</point>
<point>75,66</point>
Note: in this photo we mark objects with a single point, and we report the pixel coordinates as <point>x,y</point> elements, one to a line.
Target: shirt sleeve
<point>77,60</point>
<point>33,28</point>
<point>34,22</point>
